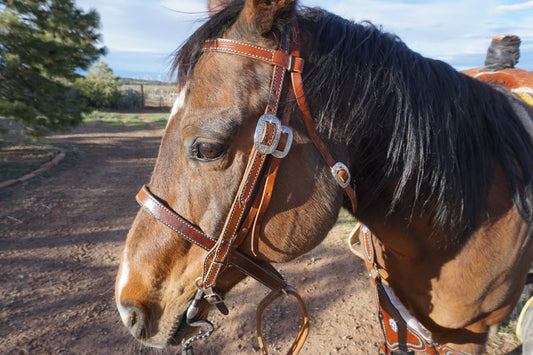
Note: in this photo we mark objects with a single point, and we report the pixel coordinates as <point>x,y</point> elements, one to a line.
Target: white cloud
<point>450,30</point>
<point>528,5</point>
<point>456,31</point>
<point>146,26</point>
<point>190,6</point>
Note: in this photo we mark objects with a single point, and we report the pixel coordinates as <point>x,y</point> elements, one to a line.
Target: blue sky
<point>141,34</point>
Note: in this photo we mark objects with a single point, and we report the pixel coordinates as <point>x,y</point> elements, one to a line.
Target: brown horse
<point>441,165</point>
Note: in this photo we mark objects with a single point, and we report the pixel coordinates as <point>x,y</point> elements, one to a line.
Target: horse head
<point>202,159</point>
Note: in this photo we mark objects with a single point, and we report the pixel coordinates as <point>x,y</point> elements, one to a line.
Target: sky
<point>141,35</point>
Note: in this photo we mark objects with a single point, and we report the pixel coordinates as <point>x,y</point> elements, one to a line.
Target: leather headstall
<point>272,142</point>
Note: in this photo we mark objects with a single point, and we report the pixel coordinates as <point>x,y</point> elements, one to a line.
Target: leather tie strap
<point>304,328</point>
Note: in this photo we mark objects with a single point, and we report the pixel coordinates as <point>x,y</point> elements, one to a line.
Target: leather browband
<point>267,55</point>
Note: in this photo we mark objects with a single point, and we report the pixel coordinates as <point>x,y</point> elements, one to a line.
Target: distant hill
<point>130,81</point>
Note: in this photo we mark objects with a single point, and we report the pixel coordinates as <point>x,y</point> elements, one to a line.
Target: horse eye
<point>210,151</point>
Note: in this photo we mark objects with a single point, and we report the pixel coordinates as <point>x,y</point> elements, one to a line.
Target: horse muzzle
<point>161,333</point>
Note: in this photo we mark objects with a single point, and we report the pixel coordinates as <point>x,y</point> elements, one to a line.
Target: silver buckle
<point>264,148</point>
<point>272,148</point>
<point>336,169</point>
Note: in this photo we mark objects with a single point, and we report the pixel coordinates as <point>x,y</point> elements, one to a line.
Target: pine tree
<point>43,46</point>
<point>100,86</point>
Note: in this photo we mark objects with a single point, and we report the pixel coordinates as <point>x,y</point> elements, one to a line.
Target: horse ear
<point>215,6</point>
<point>267,15</point>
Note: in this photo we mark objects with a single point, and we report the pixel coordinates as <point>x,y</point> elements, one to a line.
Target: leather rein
<point>272,142</point>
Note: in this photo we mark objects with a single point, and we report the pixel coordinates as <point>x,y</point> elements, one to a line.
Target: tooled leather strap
<point>268,186</point>
<point>267,55</point>
<point>341,171</point>
<point>217,258</point>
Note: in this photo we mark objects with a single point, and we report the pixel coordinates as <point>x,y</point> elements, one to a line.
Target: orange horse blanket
<point>519,81</point>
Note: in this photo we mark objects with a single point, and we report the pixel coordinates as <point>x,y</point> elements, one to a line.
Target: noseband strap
<point>262,272</point>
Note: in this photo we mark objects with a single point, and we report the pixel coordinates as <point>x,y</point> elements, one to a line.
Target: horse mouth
<point>180,330</point>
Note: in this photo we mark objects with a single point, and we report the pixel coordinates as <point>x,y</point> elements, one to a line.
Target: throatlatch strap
<point>343,174</point>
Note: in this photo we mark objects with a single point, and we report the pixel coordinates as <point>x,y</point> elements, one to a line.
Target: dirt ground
<point>61,238</point>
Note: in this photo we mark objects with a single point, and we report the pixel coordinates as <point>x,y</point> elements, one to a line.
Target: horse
<point>435,164</point>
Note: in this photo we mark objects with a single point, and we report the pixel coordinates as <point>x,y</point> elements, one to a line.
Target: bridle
<point>272,142</point>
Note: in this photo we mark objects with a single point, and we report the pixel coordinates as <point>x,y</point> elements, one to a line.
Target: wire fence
<point>150,94</point>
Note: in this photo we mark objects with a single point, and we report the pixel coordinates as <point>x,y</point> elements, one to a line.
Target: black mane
<point>415,122</point>
<point>412,122</point>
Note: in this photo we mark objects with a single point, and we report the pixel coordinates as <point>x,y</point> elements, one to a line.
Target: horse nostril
<point>132,320</point>
<point>135,321</point>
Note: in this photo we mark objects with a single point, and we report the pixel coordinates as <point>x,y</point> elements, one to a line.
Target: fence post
<point>142,96</point>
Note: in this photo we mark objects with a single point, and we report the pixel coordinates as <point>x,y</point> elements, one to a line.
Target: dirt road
<point>60,242</point>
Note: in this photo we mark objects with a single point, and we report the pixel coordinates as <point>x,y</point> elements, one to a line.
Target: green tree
<point>43,43</point>
<point>100,86</point>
